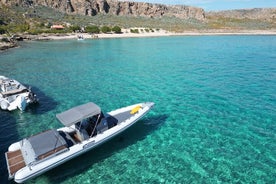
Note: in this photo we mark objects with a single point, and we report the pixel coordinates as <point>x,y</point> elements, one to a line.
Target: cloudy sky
<point>218,4</point>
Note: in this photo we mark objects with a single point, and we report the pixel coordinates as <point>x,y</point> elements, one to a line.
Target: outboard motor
<point>4,104</point>
<point>32,97</point>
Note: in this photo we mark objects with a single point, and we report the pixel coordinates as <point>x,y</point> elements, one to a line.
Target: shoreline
<point>127,34</point>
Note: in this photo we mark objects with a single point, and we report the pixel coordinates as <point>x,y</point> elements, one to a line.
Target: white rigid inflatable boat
<point>14,95</point>
<point>85,127</point>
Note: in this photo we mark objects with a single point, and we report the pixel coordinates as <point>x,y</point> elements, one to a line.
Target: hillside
<point>256,13</point>
<point>244,19</point>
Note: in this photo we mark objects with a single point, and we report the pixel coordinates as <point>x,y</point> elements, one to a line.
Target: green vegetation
<point>105,29</point>
<point>134,30</point>
<point>12,21</point>
<point>216,22</point>
<point>3,30</point>
<point>75,28</point>
<point>92,29</point>
<point>116,29</point>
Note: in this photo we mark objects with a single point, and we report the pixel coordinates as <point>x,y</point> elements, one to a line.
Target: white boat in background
<point>14,95</point>
<point>80,37</point>
<point>85,127</point>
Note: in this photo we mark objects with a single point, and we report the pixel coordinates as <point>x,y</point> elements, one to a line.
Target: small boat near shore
<point>80,37</point>
<point>85,127</point>
<point>14,95</point>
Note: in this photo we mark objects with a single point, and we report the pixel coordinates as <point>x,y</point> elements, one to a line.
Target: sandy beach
<point>127,34</point>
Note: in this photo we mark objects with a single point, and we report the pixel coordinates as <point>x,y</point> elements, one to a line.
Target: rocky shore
<point>6,45</point>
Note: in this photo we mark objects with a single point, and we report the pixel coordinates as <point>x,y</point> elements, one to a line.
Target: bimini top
<point>76,114</point>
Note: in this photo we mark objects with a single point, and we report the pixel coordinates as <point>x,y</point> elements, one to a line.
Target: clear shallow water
<point>214,120</point>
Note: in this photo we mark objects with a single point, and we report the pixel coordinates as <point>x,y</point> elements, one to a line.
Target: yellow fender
<point>135,109</point>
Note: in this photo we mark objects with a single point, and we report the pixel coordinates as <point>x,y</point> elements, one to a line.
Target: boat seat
<point>102,126</point>
<point>66,136</point>
<point>82,134</point>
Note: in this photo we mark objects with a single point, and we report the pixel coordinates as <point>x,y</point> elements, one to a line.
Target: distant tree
<point>134,30</point>
<point>48,25</point>
<point>92,29</point>
<point>17,28</point>
<point>1,22</point>
<point>75,28</point>
<point>116,29</point>
<point>41,24</point>
<point>3,29</point>
<point>105,29</point>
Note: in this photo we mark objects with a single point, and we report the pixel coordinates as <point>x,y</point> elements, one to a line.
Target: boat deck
<point>15,161</point>
<point>14,91</point>
<point>119,118</point>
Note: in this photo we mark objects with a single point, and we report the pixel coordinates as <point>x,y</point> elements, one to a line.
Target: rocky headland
<point>6,44</point>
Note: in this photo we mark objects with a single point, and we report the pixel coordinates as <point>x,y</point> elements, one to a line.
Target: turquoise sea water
<point>214,120</point>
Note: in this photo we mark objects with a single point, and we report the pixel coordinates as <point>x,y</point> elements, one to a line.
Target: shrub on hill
<point>17,28</point>
<point>3,29</point>
<point>134,30</point>
<point>92,29</point>
<point>116,29</point>
<point>75,28</point>
<point>105,29</point>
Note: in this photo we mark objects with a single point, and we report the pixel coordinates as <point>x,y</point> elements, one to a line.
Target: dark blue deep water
<point>214,120</point>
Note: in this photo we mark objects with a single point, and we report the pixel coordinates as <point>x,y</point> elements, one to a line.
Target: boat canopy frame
<point>78,113</point>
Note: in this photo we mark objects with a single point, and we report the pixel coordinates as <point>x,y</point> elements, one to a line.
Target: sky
<point>216,5</point>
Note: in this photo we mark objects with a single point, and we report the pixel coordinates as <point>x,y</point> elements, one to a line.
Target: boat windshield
<point>89,124</point>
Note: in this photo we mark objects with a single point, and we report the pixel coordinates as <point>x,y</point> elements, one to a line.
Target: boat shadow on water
<point>82,163</point>
<point>8,135</point>
<point>45,103</point>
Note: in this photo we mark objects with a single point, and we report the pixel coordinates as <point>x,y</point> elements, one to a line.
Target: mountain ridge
<point>114,7</point>
<point>141,9</point>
